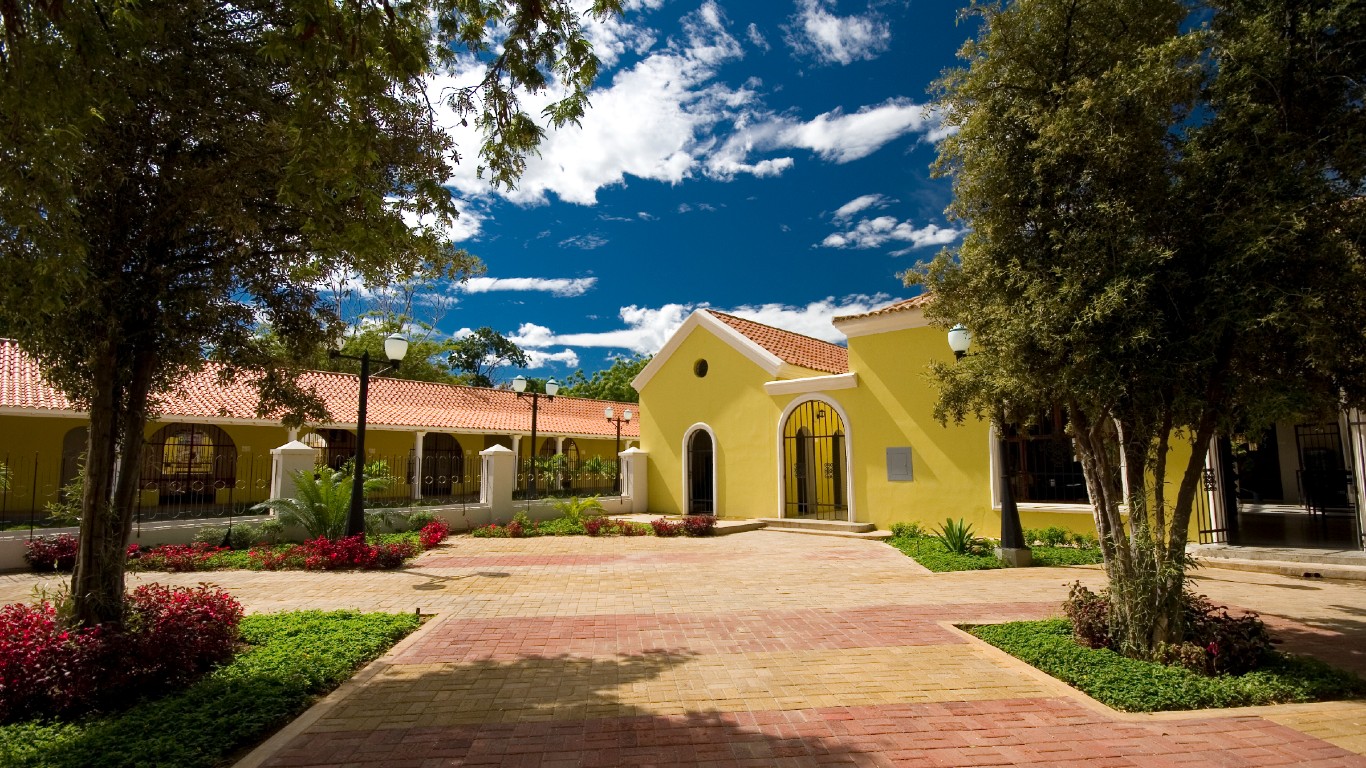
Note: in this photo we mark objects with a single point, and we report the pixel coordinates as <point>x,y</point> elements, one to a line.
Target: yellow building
<point>209,451</point>
<point>748,421</point>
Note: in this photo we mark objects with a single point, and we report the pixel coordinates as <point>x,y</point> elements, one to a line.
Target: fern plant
<point>322,502</point>
<point>576,509</point>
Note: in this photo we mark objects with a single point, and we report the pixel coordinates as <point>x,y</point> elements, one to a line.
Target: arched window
<point>189,463</point>
<point>571,451</point>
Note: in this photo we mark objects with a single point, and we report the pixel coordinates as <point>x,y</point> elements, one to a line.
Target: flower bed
<point>523,527</point>
<point>382,552</point>
<point>171,635</point>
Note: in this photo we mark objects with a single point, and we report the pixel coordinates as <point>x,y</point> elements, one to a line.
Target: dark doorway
<point>443,464</point>
<point>814,463</point>
<point>701,474</point>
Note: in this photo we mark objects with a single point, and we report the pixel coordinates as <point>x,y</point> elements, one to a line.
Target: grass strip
<point>1131,685</point>
<point>292,659</point>
<point>931,553</point>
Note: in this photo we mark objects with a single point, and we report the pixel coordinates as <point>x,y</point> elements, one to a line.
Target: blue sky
<point>768,159</point>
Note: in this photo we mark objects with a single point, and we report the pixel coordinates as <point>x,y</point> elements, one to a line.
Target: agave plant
<point>322,502</point>
<point>955,536</point>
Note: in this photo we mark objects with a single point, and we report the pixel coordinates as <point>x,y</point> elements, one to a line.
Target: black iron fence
<point>560,477</point>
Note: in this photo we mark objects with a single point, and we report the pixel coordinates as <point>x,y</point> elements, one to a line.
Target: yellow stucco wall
<point>730,400</point>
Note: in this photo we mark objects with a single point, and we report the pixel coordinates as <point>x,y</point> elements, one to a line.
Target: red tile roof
<point>392,402</point>
<point>790,347</point>
<point>894,307</point>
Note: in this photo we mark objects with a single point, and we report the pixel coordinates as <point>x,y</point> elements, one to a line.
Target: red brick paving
<point>1041,732</point>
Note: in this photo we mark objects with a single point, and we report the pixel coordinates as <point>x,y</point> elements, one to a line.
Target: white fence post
<point>284,462</point>
<point>634,486</point>
<point>496,482</point>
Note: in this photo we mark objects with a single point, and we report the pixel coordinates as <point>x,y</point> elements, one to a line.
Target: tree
<point>481,353</point>
<point>175,172</point>
<point>613,383</point>
<point>1165,241</point>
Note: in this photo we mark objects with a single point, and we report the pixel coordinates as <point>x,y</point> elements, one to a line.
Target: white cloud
<point>668,117</point>
<point>646,216</point>
<point>646,329</point>
<point>537,359</point>
<point>860,203</point>
<point>585,242</point>
<point>558,286</point>
<point>872,233</point>
<point>757,37</point>
<point>832,39</point>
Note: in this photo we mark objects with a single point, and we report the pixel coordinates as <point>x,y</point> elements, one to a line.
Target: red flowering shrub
<point>177,558</point>
<point>597,526</point>
<point>45,668</point>
<point>174,634</point>
<point>515,529</point>
<point>666,528</point>
<point>323,554</point>
<point>52,553</point>
<point>171,635</point>
<point>699,525</point>
<point>490,531</point>
<point>433,533</point>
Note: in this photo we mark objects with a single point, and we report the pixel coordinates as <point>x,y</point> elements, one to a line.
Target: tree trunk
<point>112,468</point>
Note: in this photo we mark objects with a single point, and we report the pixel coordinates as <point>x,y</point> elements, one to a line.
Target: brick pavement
<point>755,650</point>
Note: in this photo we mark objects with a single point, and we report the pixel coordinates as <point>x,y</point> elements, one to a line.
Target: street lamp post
<point>616,460</point>
<point>519,386</point>
<point>395,348</point>
<point>1014,550</point>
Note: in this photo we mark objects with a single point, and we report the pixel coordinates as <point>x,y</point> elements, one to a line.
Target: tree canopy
<point>612,383</point>
<point>176,172</point>
<point>479,355</point>
<point>1165,239</point>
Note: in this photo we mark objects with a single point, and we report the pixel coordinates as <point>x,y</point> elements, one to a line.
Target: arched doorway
<point>701,479</point>
<point>74,445</point>
<point>189,463</point>
<point>443,464</point>
<point>815,463</point>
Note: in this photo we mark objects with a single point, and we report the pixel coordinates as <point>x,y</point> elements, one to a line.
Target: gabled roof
<point>792,348</point>
<point>392,402</point>
<point>781,354</point>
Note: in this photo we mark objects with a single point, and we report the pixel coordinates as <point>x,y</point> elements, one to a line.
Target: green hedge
<point>292,659</point>
<point>931,553</point>
<point>1140,686</point>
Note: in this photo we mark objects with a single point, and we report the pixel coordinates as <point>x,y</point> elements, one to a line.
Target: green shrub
<point>1142,686</point>
<point>955,536</point>
<point>323,503</point>
<point>908,531</point>
<point>290,659</point>
<point>419,520</point>
<point>210,534</point>
<point>931,553</point>
<point>1061,556</point>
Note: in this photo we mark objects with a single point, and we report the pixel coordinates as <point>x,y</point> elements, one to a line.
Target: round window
<point>700,368</point>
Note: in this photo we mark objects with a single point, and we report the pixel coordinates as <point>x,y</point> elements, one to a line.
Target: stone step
<point>1281,554</point>
<point>1295,570</point>
<point>804,524</point>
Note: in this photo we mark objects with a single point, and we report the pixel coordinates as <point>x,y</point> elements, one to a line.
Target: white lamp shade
<point>551,387</point>
<point>626,414</point>
<point>396,346</point>
<point>519,384</point>
<point>960,338</point>
<point>608,412</point>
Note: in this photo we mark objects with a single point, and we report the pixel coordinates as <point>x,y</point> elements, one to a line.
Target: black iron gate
<point>814,464</point>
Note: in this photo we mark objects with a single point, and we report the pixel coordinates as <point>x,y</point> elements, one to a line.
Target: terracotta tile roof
<point>790,347</point>
<point>393,402</point>
<point>894,307</point>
